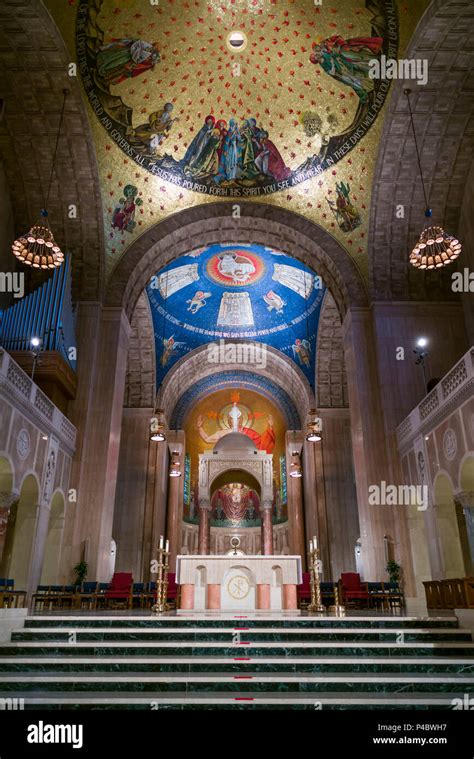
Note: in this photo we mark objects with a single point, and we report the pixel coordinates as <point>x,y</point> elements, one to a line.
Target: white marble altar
<point>238,583</point>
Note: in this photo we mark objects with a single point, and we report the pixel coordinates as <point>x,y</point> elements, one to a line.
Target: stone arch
<point>237,474</point>
<point>34,73</point>
<point>443,113</point>
<point>52,549</point>
<point>259,223</point>
<point>141,369</point>
<point>279,369</point>
<point>21,532</point>
<point>331,381</point>
<point>447,523</point>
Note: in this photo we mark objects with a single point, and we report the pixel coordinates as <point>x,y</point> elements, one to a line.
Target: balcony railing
<point>438,404</point>
<point>17,386</point>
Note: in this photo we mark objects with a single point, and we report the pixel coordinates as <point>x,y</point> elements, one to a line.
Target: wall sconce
<point>175,465</point>
<point>157,427</point>
<point>314,427</point>
<point>295,468</point>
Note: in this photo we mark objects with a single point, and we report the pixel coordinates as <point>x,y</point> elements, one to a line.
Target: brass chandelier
<point>435,247</point>
<point>38,248</point>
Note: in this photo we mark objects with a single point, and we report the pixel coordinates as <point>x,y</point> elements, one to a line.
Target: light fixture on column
<point>158,427</point>
<point>295,468</point>
<point>38,248</point>
<point>421,353</point>
<point>314,427</point>
<point>175,465</point>
<point>435,248</point>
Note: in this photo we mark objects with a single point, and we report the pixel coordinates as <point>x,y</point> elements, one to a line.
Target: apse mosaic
<point>164,86</point>
<point>248,293</point>
<point>236,503</point>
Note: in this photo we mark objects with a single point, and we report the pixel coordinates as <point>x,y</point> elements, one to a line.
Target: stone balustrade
<point>27,396</point>
<point>456,386</point>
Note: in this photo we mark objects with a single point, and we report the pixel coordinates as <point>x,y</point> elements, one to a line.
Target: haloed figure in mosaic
<point>348,61</point>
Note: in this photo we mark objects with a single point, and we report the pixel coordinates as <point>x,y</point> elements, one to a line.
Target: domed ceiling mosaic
<point>183,115</point>
<point>247,293</point>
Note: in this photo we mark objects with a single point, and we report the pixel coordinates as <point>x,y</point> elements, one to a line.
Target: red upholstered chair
<point>303,591</point>
<point>119,591</point>
<point>353,591</point>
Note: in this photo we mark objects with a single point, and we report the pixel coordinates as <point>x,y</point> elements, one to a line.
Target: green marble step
<point>212,648</point>
<point>147,620</point>
<point>244,700</point>
<point>229,682</point>
<point>257,635</point>
<point>236,664</point>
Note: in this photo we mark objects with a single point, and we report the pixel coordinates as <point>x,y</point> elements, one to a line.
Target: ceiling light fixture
<point>314,427</point>
<point>435,247</point>
<point>38,248</point>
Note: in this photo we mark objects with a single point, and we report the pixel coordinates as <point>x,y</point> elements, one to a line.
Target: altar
<point>238,582</point>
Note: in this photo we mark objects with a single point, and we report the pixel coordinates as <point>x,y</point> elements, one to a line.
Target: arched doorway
<point>52,550</point>
<point>18,546</point>
<point>447,527</point>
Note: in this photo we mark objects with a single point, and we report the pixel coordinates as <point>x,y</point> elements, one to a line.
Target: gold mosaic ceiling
<point>179,118</point>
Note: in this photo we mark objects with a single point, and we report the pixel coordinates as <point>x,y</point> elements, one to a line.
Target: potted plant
<point>80,571</point>
<point>393,570</point>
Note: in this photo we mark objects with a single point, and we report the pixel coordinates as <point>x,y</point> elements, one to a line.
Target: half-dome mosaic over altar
<point>247,293</point>
<point>180,104</point>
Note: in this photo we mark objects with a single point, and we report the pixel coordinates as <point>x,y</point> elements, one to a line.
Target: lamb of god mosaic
<point>170,85</point>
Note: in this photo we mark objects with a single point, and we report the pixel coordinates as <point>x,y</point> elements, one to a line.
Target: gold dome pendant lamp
<point>38,248</point>
<point>435,247</point>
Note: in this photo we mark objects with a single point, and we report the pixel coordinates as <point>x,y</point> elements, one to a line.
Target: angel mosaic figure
<point>124,59</point>
<point>170,346</point>
<point>302,351</point>
<point>348,61</point>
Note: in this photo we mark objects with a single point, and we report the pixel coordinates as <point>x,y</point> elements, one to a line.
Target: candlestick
<point>161,541</point>
<point>316,605</point>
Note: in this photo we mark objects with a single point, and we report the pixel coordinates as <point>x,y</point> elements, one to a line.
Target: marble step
<point>236,664</point>
<point>215,648</point>
<point>230,682</point>
<point>244,700</point>
<point>252,634</point>
<point>208,621</point>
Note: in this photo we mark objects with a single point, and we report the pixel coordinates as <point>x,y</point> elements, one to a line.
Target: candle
<point>315,542</point>
<point>161,541</point>
<point>167,546</point>
<point>310,545</point>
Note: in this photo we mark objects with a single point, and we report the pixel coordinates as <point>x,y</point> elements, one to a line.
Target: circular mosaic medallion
<point>23,443</point>
<point>450,444</point>
<point>235,268</point>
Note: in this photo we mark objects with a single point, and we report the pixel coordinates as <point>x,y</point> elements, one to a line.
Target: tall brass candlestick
<point>338,608</point>
<point>162,580</point>
<point>316,605</point>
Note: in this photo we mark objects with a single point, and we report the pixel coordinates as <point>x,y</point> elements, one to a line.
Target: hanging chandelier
<point>175,465</point>
<point>295,468</point>
<point>158,427</point>
<point>38,248</point>
<point>435,247</point>
<point>314,427</point>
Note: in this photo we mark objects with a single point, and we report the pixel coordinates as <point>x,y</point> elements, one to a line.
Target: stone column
<point>103,335</point>
<point>369,444</point>
<point>174,516</point>
<point>39,544</point>
<point>204,527</point>
<point>294,442</point>
<point>267,528</point>
<point>464,500</point>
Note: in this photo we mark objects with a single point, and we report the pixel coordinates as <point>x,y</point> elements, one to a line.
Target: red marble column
<point>204,538</point>
<point>213,596</point>
<point>267,529</point>
<point>187,596</point>
<point>263,596</point>
<point>290,600</point>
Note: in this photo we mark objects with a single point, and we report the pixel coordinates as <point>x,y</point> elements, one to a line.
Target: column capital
<point>204,504</point>
<point>267,504</point>
<point>7,499</point>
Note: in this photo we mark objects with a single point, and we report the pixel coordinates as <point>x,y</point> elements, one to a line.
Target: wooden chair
<point>87,594</point>
<point>394,594</point>
<point>138,594</point>
<point>377,596</point>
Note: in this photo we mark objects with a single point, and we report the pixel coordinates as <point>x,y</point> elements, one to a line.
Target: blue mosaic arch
<point>245,292</point>
<point>232,379</point>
